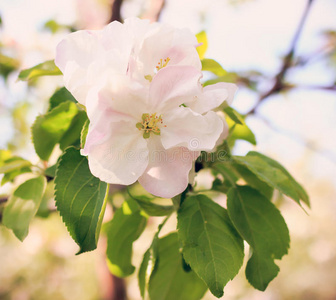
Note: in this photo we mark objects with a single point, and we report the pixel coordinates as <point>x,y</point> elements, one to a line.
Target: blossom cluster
<point>140,84</point>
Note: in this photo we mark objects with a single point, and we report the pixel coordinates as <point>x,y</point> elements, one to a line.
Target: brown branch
<point>116,11</point>
<point>159,11</point>
<point>3,200</point>
<point>287,61</point>
<point>155,10</point>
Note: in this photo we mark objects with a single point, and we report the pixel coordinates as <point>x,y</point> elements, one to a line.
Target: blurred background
<point>281,53</point>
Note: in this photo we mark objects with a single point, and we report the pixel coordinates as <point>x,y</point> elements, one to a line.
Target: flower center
<point>150,123</point>
<point>162,63</point>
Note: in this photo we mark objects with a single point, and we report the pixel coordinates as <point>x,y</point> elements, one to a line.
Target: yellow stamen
<point>162,63</point>
<point>150,123</point>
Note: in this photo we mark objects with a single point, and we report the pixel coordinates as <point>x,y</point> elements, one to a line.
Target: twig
<point>158,13</point>
<point>3,200</point>
<point>116,11</point>
<point>287,62</point>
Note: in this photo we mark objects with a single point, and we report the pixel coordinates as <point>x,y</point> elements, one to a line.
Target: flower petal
<point>167,173</point>
<point>213,96</point>
<point>173,86</point>
<point>121,158</point>
<point>167,42</point>
<point>185,128</point>
<point>84,57</point>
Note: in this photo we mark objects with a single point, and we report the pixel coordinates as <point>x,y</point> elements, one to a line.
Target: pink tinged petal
<point>121,158</point>
<point>173,86</point>
<point>85,56</point>
<point>125,97</point>
<point>185,128</point>
<point>167,173</point>
<point>80,47</point>
<point>225,131</point>
<point>213,96</point>
<point>166,42</point>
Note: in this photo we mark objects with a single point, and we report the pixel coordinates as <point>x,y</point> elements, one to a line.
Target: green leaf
<point>14,163</point>
<point>8,64</point>
<point>203,40</point>
<point>43,69</point>
<point>13,167</point>
<point>260,271</point>
<point>79,198</point>
<point>142,275</point>
<point>51,171</point>
<point>261,224</point>
<point>149,261</point>
<point>44,208</point>
<point>169,280</point>
<point>61,95</point>
<point>84,133</point>
<point>228,77</point>
<point>213,66</point>
<point>234,115</point>
<point>23,205</point>
<point>274,174</point>
<point>251,179</point>
<point>49,129</point>
<point>258,221</point>
<point>150,208</point>
<point>126,226</point>
<point>72,135</point>
<point>211,245</point>
<point>240,132</point>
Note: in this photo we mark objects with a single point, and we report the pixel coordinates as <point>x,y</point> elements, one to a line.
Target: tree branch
<point>116,11</point>
<point>3,200</point>
<point>287,61</point>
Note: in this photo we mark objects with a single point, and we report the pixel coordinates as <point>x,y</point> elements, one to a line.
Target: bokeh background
<point>293,115</point>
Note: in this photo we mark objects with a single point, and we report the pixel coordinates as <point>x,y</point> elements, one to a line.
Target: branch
<point>116,11</point>
<point>3,200</point>
<point>287,62</point>
<point>158,13</point>
<point>155,10</point>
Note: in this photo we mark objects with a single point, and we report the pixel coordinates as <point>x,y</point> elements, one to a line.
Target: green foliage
<point>62,124</point>
<point>260,223</point>
<point>203,40</point>
<point>169,279</point>
<point>23,205</point>
<point>8,65</point>
<point>61,95</point>
<point>273,174</point>
<point>151,208</point>
<point>210,244</point>
<point>126,226</point>
<point>239,132</point>
<point>213,66</point>
<point>79,199</point>
<point>84,133</point>
<point>260,271</point>
<point>72,135</point>
<point>234,115</point>
<point>143,276</point>
<point>47,68</point>
<point>250,178</point>
<point>149,261</point>
<point>12,167</point>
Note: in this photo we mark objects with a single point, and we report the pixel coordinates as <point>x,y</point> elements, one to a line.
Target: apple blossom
<point>137,48</point>
<point>148,122</point>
